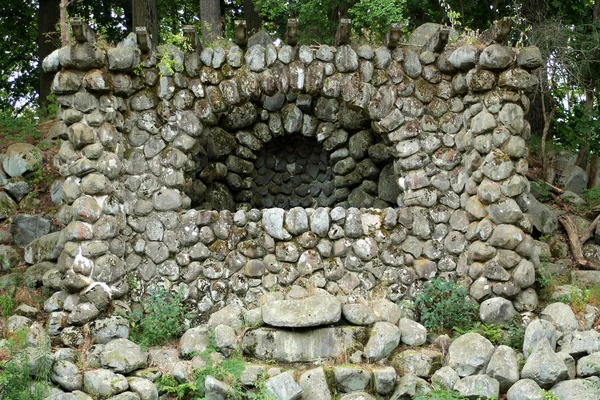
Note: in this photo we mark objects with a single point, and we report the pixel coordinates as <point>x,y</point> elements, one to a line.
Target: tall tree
<point>47,18</point>
<point>252,17</point>
<point>145,13</point>
<point>210,18</point>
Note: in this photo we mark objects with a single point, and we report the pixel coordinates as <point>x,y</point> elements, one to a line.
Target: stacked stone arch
<point>420,171</point>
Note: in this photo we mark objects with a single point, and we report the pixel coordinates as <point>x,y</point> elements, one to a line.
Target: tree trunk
<point>253,20</point>
<point>47,17</point>
<point>145,13</point>
<point>64,24</point>
<point>210,17</point>
<point>584,149</point>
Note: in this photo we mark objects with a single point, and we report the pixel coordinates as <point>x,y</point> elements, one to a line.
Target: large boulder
<point>544,366</point>
<point>310,311</point>
<point>469,354</point>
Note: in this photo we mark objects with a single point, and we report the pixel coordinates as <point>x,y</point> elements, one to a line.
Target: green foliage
<point>491,332</point>
<point>161,320</point>
<point>25,373</point>
<point>540,190</point>
<point>440,392</point>
<point>372,18</point>
<point>443,305</point>
<point>514,335</point>
<point>18,129</point>
<point>7,304</point>
<point>592,196</point>
<point>548,395</point>
<point>169,385</point>
<point>594,296</point>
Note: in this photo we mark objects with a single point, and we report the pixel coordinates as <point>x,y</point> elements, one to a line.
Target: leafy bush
<point>7,305</point>
<point>161,320</point>
<point>443,305</point>
<point>514,335</point>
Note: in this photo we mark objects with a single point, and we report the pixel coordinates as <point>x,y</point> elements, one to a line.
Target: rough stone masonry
<point>228,173</point>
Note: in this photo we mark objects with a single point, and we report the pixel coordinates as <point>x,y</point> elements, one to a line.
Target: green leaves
<point>443,305</point>
<point>161,320</point>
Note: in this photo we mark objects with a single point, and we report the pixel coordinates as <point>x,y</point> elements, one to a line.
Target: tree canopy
<point>567,33</point>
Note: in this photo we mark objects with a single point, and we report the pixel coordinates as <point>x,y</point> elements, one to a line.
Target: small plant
<point>20,379</point>
<point>594,296</point>
<point>7,304</point>
<point>548,395</point>
<point>592,196</point>
<point>514,334</point>
<point>169,385</point>
<point>161,321</point>
<point>491,332</point>
<point>440,392</point>
<point>540,190</point>
<point>443,305</point>
<point>168,65</point>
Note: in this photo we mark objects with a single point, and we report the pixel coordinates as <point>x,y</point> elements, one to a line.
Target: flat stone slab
<point>285,346</point>
<point>302,313</point>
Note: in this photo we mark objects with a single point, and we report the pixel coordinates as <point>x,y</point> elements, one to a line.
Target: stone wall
<point>150,136</point>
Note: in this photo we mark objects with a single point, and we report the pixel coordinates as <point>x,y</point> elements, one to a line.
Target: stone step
<point>268,344</point>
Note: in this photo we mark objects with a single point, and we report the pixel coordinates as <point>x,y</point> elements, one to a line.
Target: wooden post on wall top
<point>81,31</point>
<point>342,36</point>
<point>438,41</point>
<point>143,39</point>
<point>291,36</point>
<point>392,37</point>
<point>241,33</point>
<point>191,34</point>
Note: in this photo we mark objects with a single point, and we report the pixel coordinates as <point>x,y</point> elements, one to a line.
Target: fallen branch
<point>551,186</point>
<point>587,235</point>
<point>576,243</point>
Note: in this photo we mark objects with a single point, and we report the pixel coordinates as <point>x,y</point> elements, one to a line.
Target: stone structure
<point>386,167</point>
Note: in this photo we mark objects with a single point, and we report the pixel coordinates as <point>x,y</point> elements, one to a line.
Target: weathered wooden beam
<point>342,36</point>
<point>291,36</point>
<point>191,34</point>
<point>241,33</point>
<point>143,39</point>
<point>392,37</point>
<point>82,32</point>
<point>438,41</point>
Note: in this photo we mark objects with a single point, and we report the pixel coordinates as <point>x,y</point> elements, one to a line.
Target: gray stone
<point>104,383</point>
<point>574,179</point>
<point>409,386</point>
<point>217,390</point>
<point>413,333</point>
<point>351,379</point>
<point>544,366</point>
<point>108,329</point>
<point>464,57</point>
<point>497,310</point>
<point>310,311</point>
<point>314,385</point>
<point>284,387</point>
<point>561,316</point>
<point>576,389</point>
<point>272,220</point>
<point>20,158</point>
<point>299,346</point>
<point>359,314</point>
<point>122,355</point>
<point>446,376</point>
<point>503,367</point>
<point>143,388</point>
<point>478,386</point>
<point>25,228</point>
<point>469,354</point>
<point>384,379</point>
<point>194,341</point>
<point>578,343</point>
<point>422,363</point>
<point>67,375</point>
<point>525,389</point>
<point>384,338</point>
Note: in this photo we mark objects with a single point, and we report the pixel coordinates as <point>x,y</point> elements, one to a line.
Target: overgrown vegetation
<point>443,306</point>
<point>24,371</point>
<point>160,320</point>
<point>441,392</point>
<point>229,371</point>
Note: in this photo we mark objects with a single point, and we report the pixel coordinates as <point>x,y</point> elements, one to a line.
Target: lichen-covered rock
<point>310,311</point>
<point>544,366</point>
<point>469,354</point>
